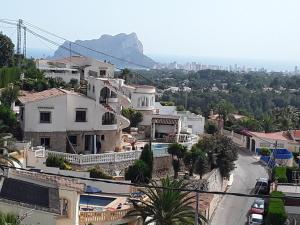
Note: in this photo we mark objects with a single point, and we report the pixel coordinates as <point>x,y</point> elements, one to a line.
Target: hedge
<point>280,174</point>
<point>9,75</point>
<point>276,211</point>
<point>56,161</point>
<point>97,173</point>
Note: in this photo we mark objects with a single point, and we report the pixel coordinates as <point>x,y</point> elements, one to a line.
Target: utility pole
<point>19,36</point>
<point>197,208</point>
<point>24,42</point>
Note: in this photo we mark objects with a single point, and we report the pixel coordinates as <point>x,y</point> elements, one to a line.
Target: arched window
<point>143,101</point>
<point>104,94</point>
<point>108,119</point>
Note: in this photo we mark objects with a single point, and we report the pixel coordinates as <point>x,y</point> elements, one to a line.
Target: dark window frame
<point>44,121</point>
<point>75,140</point>
<point>78,120</point>
<point>43,142</point>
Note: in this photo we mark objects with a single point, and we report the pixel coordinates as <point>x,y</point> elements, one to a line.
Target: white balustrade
<point>98,158</point>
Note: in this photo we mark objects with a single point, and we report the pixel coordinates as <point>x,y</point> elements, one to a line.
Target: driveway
<point>233,210</point>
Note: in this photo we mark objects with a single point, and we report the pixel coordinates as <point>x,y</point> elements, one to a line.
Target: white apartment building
<point>68,121</point>
<point>75,67</point>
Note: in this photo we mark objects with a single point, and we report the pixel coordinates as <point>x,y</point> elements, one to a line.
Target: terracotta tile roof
<point>142,86</point>
<point>296,134</point>
<point>165,121</point>
<point>37,96</point>
<point>281,135</point>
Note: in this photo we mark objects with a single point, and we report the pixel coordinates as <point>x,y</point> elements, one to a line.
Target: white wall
<point>63,114</point>
<point>36,217</point>
<point>66,76</point>
<point>55,105</point>
<point>140,93</point>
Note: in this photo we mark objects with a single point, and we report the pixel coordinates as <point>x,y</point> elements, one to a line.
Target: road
<point>233,210</point>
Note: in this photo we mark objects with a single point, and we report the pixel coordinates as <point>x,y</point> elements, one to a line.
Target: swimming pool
<point>95,200</point>
<point>160,148</point>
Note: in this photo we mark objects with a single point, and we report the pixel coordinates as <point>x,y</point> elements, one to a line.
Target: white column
<point>153,131</point>
<point>95,146</point>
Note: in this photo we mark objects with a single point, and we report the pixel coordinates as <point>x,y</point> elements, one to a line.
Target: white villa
<point>75,67</point>
<point>68,121</point>
<point>163,121</point>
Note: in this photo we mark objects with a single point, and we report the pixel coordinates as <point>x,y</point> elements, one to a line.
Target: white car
<point>256,219</point>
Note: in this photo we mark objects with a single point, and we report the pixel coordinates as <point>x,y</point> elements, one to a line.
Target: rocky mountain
<point>124,46</point>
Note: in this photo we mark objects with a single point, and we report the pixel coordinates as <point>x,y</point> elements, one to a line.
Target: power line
<point>88,48</point>
<point>72,51</point>
<point>151,186</point>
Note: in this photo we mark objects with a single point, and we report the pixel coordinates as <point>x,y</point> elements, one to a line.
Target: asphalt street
<point>234,210</point>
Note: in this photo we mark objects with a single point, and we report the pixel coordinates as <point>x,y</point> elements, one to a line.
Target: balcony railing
<point>97,158</point>
<point>105,216</point>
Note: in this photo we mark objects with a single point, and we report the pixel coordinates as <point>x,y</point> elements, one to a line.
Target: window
<point>45,141</point>
<point>73,140</point>
<point>80,116</point>
<point>102,137</point>
<point>143,101</point>
<point>102,73</point>
<point>45,117</point>
<point>190,126</point>
<point>108,119</point>
<point>93,88</point>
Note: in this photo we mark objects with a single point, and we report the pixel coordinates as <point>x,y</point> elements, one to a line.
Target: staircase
<point>124,100</point>
<point>124,122</point>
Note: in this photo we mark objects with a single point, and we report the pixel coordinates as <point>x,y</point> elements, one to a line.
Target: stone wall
<point>161,166</point>
<point>58,140</point>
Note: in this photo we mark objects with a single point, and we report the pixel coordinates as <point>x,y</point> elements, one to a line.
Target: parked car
<point>262,186</point>
<point>256,219</point>
<point>258,206</point>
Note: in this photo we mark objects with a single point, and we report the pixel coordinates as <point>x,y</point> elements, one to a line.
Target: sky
<point>266,30</point>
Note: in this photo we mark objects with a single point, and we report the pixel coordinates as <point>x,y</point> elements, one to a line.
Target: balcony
<point>101,217</point>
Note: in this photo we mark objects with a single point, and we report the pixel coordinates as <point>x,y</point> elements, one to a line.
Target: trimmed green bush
<point>280,174</point>
<point>276,211</point>
<point>97,173</point>
<point>56,161</point>
<point>265,152</point>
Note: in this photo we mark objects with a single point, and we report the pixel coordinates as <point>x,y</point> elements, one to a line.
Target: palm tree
<point>287,118</point>
<point>8,219</point>
<point>224,109</point>
<point>267,124</point>
<point>5,157</point>
<point>166,206</point>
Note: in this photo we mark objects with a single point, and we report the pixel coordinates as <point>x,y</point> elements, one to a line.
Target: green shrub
<point>139,172</point>
<point>147,157</point>
<point>97,173</point>
<point>265,152</point>
<point>57,161</point>
<point>280,174</point>
<point>276,211</point>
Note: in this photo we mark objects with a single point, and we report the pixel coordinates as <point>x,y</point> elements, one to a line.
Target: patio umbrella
<point>91,190</point>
